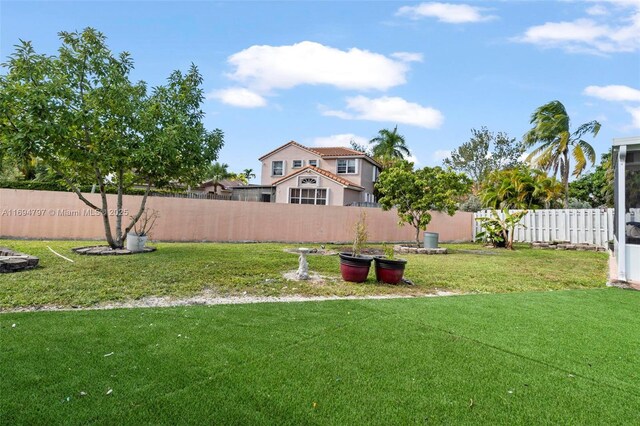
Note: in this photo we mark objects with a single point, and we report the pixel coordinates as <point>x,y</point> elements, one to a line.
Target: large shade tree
<point>82,117</point>
<point>556,143</point>
<point>483,153</point>
<point>415,194</point>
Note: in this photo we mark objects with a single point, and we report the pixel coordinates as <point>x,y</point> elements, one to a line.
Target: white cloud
<point>407,56</point>
<point>343,139</point>
<point>611,28</point>
<point>412,158</point>
<point>239,97</point>
<point>440,154</point>
<point>445,12</point>
<point>597,10</point>
<point>616,93</point>
<point>635,116</point>
<point>390,109</point>
<point>264,68</point>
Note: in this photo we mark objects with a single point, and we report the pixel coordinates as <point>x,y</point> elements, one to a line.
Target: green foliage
<point>34,185</point>
<point>498,229</point>
<point>37,185</point>
<point>389,147</point>
<point>361,148</point>
<point>389,253</point>
<point>79,115</point>
<point>484,153</point>
<point>470,203</point>
<point>248,174</point>
<point>595,188</point>
<point>521,188</point>
<point>360,234</point>
<point>415,193</point>
<point>552,133</point>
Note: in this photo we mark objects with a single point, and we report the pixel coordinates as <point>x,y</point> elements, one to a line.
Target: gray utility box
<point>430,240</point>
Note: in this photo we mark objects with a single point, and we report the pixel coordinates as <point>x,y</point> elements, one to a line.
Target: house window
<point>313,163</point>
<point>277,168</point>
<point>347,166</point>
<point>375,174</point>
<point>296,164</point>
<point>315,196</point>
<point>308,180</point>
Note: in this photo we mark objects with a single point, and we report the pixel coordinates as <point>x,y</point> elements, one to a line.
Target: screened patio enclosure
<point>626,162</point>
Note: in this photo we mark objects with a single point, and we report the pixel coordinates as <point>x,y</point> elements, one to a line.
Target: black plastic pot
<point>354,268</point>
<point>389,271</point>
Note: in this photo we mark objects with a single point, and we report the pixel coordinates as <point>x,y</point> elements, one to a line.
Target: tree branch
<point>140,210</point>
<point>76,190</point>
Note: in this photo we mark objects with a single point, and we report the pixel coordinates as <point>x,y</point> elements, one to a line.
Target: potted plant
<point>137,238</point>
<point>354,266</point>
<point>389,270</point>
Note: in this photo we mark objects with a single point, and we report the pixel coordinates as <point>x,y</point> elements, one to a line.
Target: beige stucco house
<point>324,176</point>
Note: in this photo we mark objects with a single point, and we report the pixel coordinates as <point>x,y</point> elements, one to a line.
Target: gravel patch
<point>208,298</point>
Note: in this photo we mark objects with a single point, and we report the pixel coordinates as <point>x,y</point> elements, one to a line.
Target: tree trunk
<point>565,177</point>
<point>105,210</point>
<point>143,204</point>
<point>119,237</point>
<point>418,236</point>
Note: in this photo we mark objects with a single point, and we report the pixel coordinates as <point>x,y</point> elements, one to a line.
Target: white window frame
<point>293,164</point>
<point>347,172</point>
<point>375,175</point>
<point>284,165</point>
<point>314,161</point>
<point>315,196</point>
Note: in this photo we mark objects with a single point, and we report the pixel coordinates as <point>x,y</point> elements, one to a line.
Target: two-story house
<point>326,176</point>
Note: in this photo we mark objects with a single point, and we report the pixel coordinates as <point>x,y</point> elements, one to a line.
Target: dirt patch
<point>209,298</point>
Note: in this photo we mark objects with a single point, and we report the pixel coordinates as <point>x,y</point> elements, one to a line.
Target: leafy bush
<point>37,185</point>
<point>498,230</point>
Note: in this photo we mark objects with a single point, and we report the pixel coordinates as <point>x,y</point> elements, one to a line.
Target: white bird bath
<point>303,266</point>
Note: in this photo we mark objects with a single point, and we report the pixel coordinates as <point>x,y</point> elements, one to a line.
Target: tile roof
<point>336,151</point>
<point>294,143</point>
<point>322,172</point>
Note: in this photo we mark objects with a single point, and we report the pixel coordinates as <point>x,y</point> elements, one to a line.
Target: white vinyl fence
<point>593,226</point>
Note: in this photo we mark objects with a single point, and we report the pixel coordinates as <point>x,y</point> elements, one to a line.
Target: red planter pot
<point>389,271</point>
<point>354,269</point>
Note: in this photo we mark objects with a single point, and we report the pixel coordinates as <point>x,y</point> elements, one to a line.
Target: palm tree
<point>216,173</point>
<point>552,130</point>
<point>248,174</point>
<point>520,188</point>
<point>389,146</point>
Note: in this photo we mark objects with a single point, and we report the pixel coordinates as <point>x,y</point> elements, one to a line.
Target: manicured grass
<point>562,357</point>
<point>181,269</point>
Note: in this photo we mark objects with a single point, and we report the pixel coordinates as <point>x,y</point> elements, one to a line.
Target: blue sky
<point>325,72</point>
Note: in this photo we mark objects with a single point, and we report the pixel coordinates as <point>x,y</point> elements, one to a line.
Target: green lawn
<point>187,269</point>
<point>561,357</point>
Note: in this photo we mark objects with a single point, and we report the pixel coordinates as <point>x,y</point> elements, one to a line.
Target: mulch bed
<point>108,251</point>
